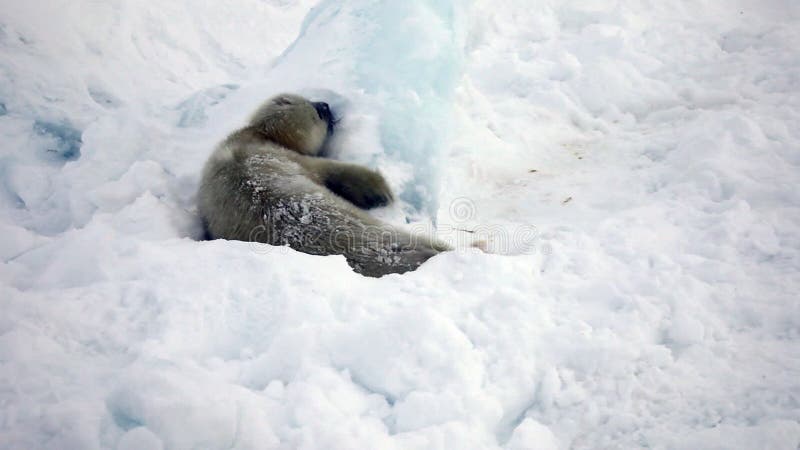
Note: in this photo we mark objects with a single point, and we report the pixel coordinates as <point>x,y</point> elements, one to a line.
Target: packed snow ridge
<point>632,167</point>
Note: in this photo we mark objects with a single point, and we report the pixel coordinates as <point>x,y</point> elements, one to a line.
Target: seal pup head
<point>295,123</point>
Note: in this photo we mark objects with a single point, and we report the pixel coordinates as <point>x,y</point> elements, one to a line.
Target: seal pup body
<point>265,183</point>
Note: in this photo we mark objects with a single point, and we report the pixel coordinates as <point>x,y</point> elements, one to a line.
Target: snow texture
<point>631,166</point>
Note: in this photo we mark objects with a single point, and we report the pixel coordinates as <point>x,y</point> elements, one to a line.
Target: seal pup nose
<point>324,112</point>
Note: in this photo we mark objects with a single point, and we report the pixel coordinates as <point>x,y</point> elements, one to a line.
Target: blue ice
<point>405,57</point>
<point>61,142</point>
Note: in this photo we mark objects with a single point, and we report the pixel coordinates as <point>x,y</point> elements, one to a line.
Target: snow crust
<point>631,166</point>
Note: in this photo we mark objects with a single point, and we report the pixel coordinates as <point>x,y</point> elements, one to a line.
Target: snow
<point>630,166</point>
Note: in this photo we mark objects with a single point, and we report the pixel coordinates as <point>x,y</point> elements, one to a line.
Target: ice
<point>400,62</point>
<point>631,167</point>
<point>193,110</point>
<point>60,141</point>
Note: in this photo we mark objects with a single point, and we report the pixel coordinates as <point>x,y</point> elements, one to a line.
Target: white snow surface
<point>631,166</point>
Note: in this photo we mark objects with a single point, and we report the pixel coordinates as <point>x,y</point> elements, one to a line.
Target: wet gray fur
<point>266,183</point>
